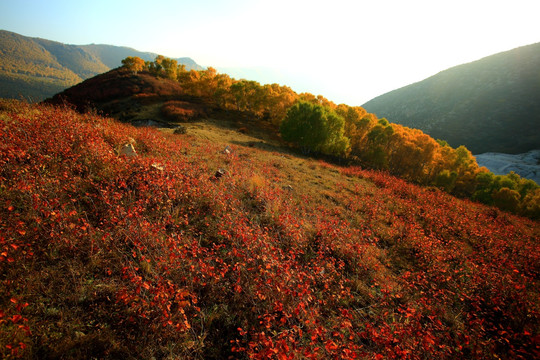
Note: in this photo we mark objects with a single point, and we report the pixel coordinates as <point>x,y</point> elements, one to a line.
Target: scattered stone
<point>127,150</point>
<point>180,129</point>
<point>220,173</point>
<point>158,166</point>
<point>227,150</point>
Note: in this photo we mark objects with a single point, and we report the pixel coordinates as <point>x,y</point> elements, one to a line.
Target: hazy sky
<point>349,51</point>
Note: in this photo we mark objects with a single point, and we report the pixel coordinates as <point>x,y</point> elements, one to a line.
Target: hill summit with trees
<point>489,105</point>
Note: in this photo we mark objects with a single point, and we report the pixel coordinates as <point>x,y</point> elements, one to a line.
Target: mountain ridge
<point>38,68</point>
<point>112,55</point>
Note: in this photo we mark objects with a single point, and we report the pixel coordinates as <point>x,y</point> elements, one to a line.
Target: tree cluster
<point>314,127</point>
<point>269,102</point>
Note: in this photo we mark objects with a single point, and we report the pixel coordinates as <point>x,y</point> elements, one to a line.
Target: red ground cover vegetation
<point>105,256</point>
<point>182,111</point>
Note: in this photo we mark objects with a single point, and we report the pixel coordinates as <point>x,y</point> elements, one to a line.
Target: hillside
<point>490,105</point>
<point>161,93</point>
<point>37,68</point>
<point>118,92</point>
<point>28,69</point>
<point>160,255</point>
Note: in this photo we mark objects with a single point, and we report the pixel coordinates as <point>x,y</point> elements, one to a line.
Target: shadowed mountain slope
<point>117,84</point>
<point>492,104</point>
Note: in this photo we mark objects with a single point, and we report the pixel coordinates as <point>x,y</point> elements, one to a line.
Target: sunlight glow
<point>348,51</point>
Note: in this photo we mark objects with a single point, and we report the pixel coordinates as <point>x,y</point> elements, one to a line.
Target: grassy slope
<point>153,256</point>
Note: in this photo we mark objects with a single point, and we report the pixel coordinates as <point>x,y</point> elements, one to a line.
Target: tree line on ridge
<point>316,125</point>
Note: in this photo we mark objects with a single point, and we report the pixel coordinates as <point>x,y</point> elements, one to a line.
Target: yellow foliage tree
<point>133,63</point>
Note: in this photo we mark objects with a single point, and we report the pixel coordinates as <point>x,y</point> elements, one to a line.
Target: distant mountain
<point>37,68</point>
<point>112,56</point>
<point>489,105</point>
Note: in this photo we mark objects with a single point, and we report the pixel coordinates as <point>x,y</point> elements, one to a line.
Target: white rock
<point>127,150</point>
<point>158,166</point>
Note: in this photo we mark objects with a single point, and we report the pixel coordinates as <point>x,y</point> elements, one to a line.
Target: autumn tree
<point>411,153</point>
<point>248,95</point>
<point>133,63</point>
<point>485,181</point>
<point>155,66</point>
<point>506,199</point>
<point>467,168</point>
<point>276,101</point>
<point>170,67</point>
<point>222,94</point>
<point>378,139</point>
<point>530,204</point>
<point>164,67</point>
<point>358,123</point>
<point>314,127</point>
<point>319,99</point>
<point>208,82</point>
<point>190,81</point>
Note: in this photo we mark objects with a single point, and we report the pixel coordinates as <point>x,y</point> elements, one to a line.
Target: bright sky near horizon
<point>348,51</point>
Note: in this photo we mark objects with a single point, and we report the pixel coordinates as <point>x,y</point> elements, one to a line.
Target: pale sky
<point>348,51</point>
